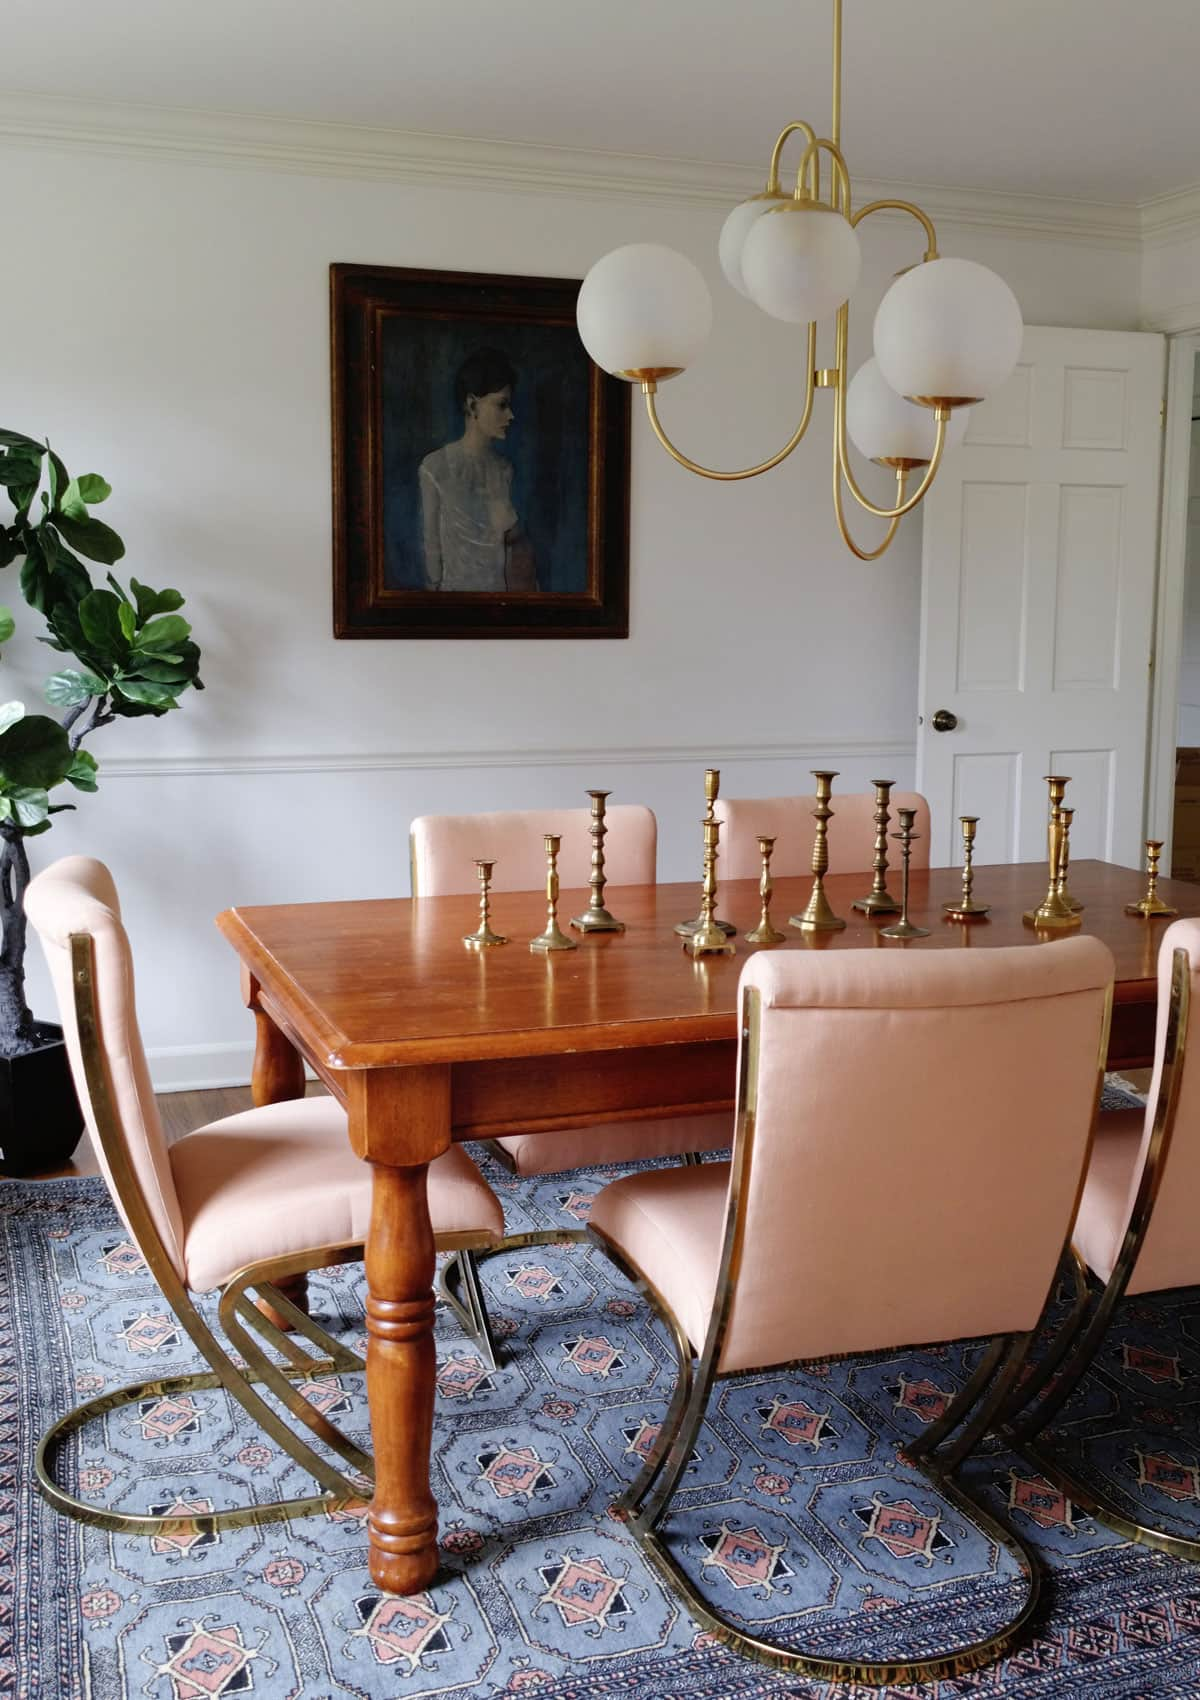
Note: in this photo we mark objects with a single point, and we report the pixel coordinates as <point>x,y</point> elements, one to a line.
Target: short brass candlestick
<point>765,932</point>
<point>1152,903</point>
<point>1064,863</point>
<point>596,918</point>
<point>1052,912</point>
<point>904,928</point>
<point>553,938</point>
<point>879,900</point>
<point>965,907</point>
<point>712,786</point>
<point>817,916</point>
<point>709,938</point>
<point>483,935</point>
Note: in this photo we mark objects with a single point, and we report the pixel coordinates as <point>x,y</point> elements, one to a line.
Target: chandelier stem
<point>836,119</point>
<point>649,390</point>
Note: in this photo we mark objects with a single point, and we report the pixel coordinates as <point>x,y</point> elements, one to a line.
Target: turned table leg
<point>401,1366</point>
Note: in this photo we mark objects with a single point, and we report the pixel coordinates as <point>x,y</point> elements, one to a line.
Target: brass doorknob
<point>944,721</point>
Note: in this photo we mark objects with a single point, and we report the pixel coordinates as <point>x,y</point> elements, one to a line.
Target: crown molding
<point>345,150</point>
<point>1171,218</point>
<point>822,750</point>
<point>1175,321</point>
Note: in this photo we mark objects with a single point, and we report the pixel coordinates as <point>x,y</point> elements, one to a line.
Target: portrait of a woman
<point>471,533</point>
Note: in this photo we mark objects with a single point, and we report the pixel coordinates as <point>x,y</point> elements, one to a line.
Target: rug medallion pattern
<point>797,1515</point>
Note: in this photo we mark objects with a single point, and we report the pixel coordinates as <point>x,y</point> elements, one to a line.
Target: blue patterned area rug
<point>796,1515</point>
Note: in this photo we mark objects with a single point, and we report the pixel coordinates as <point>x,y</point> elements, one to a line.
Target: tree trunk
<point>16,1020</point>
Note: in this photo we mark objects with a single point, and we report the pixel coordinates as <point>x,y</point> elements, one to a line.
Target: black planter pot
<point>40,1118</point>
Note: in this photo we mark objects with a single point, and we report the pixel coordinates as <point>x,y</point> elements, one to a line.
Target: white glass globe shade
<point>800,262</point>
<point>948,328</point>
<point>734,232</point>
<point>643,308</point>
<point>883,426</point>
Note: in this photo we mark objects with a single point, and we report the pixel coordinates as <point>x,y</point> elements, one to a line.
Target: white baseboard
<point>200,1068</point>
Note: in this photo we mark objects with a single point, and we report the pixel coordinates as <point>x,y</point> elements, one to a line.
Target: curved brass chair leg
<point>1064,1341</point>
<point>1089,1502</point>
<point>990,1405</point>
<point>469,1305</point>
<point>137,1523</point>
<point>923,1444</point>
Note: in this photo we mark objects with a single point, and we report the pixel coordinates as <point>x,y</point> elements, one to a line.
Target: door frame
<point>1182,353</point>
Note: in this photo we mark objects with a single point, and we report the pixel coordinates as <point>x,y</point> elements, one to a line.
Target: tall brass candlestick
<point>879,900</point>
<point>553,938</point>
<point>1064,863</point>
<point>709,939</point>
<point>965,907</point>
<point>904,928</point>
<point>817,916</point>
<point>484,936</point>
<point>766,932</point>
<point>712,786</point>
<point>1052,912</point>
<point>596,918</point>
<point>1152,903</point>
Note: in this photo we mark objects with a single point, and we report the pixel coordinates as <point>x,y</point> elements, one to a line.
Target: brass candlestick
<point>483,936</point>
<point>712,786</point>
<point>904,928</point>
<point>596,918</point>
<point>1152,903</point>
<point>1064,863</point>
<point>879,900</point>
<point>709,938</point>
<point>817,916</point>
<point>553,938</point>
<point>966,907</point>
<point>1053,912</point>
<point>765,932</point>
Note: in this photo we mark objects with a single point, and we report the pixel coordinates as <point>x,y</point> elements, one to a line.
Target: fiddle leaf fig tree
<point>129,652</point>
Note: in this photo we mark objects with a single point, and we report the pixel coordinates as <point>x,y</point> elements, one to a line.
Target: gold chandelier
<point>947,333</point>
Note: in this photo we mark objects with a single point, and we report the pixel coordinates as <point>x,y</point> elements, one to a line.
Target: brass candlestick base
<point>712,787</point>
<point>709,938</point>
<point>766,932</point>
<point>879,900</point>
<point>817,915</point>
<point>904,928</point>
<point>484,937</point>
<point>1054,913</point>
<point>965,908</point>
<point>553,938</point>
<point>596,918</point>
<point>1152,903</point>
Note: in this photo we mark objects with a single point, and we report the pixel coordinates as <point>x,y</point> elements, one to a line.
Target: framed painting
<point>480,461</point>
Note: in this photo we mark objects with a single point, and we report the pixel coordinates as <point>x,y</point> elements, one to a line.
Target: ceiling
<point>1096,99</point>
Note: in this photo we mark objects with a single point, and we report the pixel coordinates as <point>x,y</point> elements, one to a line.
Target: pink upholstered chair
<point>1136,1230</point>
<point>889,1091</point>
<point>444,849</point>
<point>789,821</point>
<point>241,1204</point>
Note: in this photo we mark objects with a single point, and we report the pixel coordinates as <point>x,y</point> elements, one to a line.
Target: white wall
<point>166,324</point>
<point>1189,663</point>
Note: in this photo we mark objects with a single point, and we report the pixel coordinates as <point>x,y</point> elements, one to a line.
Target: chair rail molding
<point>346,150</point>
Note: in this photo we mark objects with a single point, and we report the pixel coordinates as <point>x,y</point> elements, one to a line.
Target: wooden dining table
<point>426,1042</point>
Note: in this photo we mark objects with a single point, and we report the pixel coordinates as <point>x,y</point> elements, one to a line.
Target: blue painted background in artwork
<point>547,442</point>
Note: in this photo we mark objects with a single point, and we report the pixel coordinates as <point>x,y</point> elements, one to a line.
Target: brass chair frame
<point>240,1318</point>
<point>1076,1344</point>
<point>990,1388</point>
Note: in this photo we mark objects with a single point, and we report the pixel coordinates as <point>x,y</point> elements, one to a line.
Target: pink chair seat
<point>615,1142</point>
<point>1103,1210</point>
<point>670,1224</point>
<point>281,1179</point>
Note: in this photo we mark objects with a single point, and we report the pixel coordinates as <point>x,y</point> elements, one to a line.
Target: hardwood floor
<point>181,1112</point>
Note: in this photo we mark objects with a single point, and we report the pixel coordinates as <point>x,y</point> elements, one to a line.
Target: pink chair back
<point>445,848</point>
<point>920,1124</point>
<point>790,822</point>
<point>77,895</point>
<point>1170,1254</point>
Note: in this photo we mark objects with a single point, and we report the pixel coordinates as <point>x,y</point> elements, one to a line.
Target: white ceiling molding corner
<point>345,150</point>
<point>1171,218</point>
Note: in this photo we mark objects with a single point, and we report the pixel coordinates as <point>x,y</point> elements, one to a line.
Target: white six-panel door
<point>1037,617</point>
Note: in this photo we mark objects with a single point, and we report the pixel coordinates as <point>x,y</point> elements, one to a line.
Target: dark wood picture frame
<point>373,310</point>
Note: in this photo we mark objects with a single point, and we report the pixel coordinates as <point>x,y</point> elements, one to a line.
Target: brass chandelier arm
<point>922,218</point>
<point>839,437</point>
<point>649,390</point>
<point>810,165</point>
<point>839,514</point>
<point>798,127</point>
